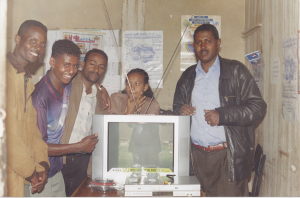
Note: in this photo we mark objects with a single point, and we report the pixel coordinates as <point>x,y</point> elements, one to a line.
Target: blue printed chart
<point>143,49</point>
<point>289,78</point>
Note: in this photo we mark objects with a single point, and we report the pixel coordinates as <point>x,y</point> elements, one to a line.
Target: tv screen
<point>148,145</point>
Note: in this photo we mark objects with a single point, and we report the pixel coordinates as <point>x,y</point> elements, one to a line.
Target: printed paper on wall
<point>188,25</point>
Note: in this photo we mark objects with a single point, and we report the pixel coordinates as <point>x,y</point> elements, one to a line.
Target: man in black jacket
<point>224,103</point>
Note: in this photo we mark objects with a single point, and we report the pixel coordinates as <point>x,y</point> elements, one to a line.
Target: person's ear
<point>219,43</point>
<point>146,87</point>
<point>52,62</point>
<point>82,65</point>
<point>17,39</point>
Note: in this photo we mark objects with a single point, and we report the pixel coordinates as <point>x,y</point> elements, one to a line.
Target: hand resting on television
<point>86,145</point>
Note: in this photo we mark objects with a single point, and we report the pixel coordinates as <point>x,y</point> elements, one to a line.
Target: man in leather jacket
<point>224,103</point>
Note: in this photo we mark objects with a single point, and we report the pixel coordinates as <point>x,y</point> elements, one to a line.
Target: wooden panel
<point>279,19</point>
<point>3,23</point>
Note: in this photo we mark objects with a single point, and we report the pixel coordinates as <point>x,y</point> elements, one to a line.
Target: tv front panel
<point>157,143</point>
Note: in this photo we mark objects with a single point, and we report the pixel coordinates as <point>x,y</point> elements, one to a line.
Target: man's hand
<point>88,143</point>
<point>211,117</point>
<point>187,110</point>
<point>43,177</point>
<point>34,181</point>
<point>105,98</point>
<point>39,181</point>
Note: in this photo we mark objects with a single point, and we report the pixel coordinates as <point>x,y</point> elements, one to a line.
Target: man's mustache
<point>204,51</point>
<point>95,74</point>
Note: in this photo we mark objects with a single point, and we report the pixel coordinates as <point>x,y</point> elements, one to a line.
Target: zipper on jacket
<point>225,129</point>
<point>228,165</point>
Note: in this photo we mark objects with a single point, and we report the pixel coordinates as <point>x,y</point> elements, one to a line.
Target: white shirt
<point>83,122</point>
<point>205,95</point>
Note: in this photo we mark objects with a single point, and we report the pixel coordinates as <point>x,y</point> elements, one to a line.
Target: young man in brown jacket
<point>27,153</point>
<point>85,100</point>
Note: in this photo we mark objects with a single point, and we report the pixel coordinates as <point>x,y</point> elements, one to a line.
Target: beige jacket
<point>27,153</point>
<point>75,98</point>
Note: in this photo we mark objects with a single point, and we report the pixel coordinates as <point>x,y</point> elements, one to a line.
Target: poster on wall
<point>143,49</point>
<point>85,41</point>
<point>111,80</point>
<point>257,63</point>
<point>275,71</point>
<point>188,25</point>
<point>290,78</point>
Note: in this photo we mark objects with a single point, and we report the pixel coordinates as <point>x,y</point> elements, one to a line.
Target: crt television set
<point>158,143</point>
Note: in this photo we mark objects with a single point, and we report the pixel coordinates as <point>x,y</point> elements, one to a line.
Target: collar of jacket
<point>15,63</point>
<point>77,78</point>
<point>225,71</point>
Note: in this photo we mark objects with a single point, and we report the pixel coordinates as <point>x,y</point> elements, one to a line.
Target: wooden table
<point>84,191</point>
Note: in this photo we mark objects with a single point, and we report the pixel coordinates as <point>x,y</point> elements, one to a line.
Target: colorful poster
<point>188,25</point>
<point>257,63</point>
<point>143,49</point>
<point>289,78</point>
<point>85,41</point>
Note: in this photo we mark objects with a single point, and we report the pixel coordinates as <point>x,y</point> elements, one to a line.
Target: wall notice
<point>188,25</point>
<point>143,49</point>
<point>275,71</point>
<point>289,82</point>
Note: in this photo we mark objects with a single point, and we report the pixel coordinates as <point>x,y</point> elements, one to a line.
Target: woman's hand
<point>131,108</point>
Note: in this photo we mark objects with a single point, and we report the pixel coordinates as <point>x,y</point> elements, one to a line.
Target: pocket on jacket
<point>230,100</point>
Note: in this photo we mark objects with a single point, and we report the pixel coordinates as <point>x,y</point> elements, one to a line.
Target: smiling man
<point>27,159</point>
<point>225,103</point>
<point>85,100</point>
<point>51,101</point>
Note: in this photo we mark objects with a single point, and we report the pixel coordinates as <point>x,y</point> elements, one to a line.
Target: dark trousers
<point>75,171</point>
<point>211,169</point>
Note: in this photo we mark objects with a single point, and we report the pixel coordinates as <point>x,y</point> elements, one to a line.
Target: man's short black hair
<point>96,51</point>
<point>65,46</point>
<point>27,24</point>
<point>207,27</point>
